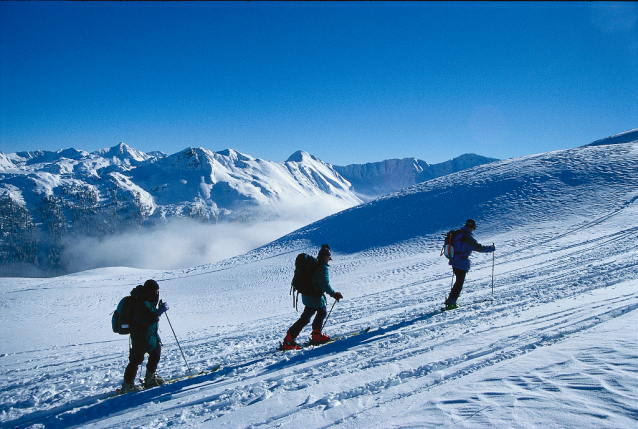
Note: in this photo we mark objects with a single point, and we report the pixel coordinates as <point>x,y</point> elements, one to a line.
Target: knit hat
<point>151,285</point>
<point>325,251</point>
<point>470,223</point>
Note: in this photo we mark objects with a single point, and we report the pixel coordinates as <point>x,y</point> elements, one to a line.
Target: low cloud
<point>183,243</point>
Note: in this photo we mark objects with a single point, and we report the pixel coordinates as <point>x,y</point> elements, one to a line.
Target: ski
<point>332,340</point>
<point>118,391</point>
<point>183,377</point>
<point>477,302</point>
<point>339,337</point>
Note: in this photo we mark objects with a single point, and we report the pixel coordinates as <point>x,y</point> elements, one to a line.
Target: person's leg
<point>153,359</point>
<point>317,337</point>
<point>458,285</point>
<point>135,359</point>
<point>304,319</point>
<point>317,324</point>
<point>152,379</point>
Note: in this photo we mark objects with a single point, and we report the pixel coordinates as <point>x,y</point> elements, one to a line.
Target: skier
<point>144,337</point>
<point>464,244</point>
<point>320,281</point>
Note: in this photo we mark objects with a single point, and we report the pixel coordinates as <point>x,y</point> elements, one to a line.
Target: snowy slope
<point>574,185</point>
<point>625,137</point>
<point>554,345</point>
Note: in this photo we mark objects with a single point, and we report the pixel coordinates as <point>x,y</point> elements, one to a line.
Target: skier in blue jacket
<point>313,304</point>
<point>464,245</point>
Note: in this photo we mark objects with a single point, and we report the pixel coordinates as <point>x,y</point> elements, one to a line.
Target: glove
<point>338,296</point>
<point>161,309</point>
<point>491,248</point>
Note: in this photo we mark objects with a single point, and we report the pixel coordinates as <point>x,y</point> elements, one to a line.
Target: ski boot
<point>289,343</point>
<point>129,387</point>
<point>450,305</point>
<point>318,338</point>
<point>152,380</point>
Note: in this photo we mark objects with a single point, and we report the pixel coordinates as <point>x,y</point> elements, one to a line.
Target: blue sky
<point>348,82</point>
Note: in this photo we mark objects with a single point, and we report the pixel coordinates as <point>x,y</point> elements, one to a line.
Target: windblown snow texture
<point>556,347</point>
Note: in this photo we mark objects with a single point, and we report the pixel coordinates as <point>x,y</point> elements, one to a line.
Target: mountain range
<point>48,198</point>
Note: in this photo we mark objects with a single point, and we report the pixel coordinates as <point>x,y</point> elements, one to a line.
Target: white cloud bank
<point>183,243</point>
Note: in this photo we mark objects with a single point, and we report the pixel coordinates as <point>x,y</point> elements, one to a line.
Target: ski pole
<point>180,347</point>
<point>325,321</point>
<point>493,273</point>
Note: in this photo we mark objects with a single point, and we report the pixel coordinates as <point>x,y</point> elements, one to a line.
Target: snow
<point>624,137</point>
<point>553,344</point>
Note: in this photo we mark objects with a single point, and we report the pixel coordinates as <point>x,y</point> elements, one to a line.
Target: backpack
<point>305,266</point>
<point>122,319</point>
<point>452,239</point>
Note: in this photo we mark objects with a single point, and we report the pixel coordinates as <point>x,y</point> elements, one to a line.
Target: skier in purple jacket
<point>464,245</point>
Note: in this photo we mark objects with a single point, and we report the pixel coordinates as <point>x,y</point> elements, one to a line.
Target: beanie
<point>151,285</point>
<point>325,251</point>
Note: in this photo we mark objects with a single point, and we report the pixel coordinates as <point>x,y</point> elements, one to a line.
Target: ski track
<point>547,293</point>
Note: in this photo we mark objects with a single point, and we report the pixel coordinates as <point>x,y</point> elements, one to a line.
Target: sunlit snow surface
<point>556,347</point>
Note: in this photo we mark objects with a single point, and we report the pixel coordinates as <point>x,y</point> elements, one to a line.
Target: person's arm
<point>145,313</point>
<point>476,246</point>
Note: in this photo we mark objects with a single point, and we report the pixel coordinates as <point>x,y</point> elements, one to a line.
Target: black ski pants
<point>296,328</point>
<point>135,359</point>
<point>458,284</point>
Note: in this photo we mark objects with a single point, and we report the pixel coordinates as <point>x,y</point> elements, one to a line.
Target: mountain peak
<point>123,152</point>
<point>300,156</point>
<point>234,155</point>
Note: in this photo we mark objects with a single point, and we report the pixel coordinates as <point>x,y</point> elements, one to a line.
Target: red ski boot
<point>289,343</point>
<point>318,338</point>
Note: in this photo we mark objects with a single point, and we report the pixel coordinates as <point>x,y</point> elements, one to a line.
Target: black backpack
<point>305,266</point>
<point>122,319</point>
<point>448,244</point>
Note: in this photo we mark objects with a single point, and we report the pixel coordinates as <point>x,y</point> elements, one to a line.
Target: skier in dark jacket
<point>321,282</point>
<point>144,336</point>
<point>464,245</point>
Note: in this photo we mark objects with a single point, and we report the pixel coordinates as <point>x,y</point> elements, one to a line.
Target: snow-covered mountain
<point>545,336</point>
<point>49,197</point>
<point>49,201</point>
<point>372,180</point>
